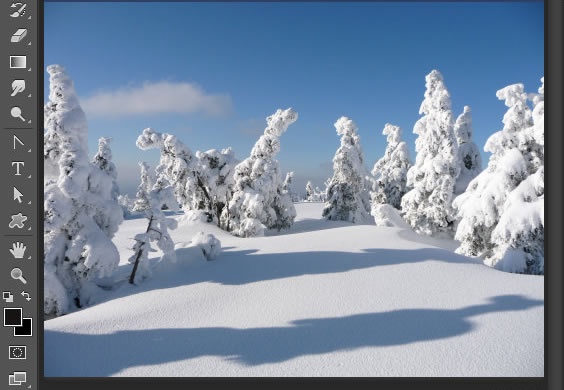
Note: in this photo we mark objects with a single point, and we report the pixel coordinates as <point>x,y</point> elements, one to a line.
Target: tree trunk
<point>139,253</point>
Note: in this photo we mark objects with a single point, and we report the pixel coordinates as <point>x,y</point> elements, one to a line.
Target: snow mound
<point>387,215</point>
<point>210,246</point>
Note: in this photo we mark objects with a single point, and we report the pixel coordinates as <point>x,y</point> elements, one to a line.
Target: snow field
<point>327,298</point>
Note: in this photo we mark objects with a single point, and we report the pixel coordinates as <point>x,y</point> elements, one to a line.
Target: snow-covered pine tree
<point>468,153</point>
<point>202,181</point>
<point>103,160</point>
<point>427,207</point>
<point>80,213</point>
<point>157,229</point>
<point>502,211</point>
<point>215,172</point>
<point>127,204</point>
<point>390,172</point>
<point>147,181</point>
<point>347,195</point>
<point>259,201</point>
<point>309,191</point>
<point>177,165</point>
<point>319,195</point>
<point>287,185</point>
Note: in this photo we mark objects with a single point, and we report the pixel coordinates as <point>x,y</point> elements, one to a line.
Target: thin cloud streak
<point>157,98</point>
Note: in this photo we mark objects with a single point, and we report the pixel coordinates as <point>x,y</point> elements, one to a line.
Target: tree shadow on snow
<point>72,354</point>
<point>315,224</point>
<point>239,267</point>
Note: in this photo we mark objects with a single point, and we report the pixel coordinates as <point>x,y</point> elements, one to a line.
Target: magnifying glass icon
<point>18,274</point>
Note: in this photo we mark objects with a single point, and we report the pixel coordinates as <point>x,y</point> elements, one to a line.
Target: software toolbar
<point>20,261</point>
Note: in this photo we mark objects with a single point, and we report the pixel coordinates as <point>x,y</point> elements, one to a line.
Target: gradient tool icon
<point>18,62</point>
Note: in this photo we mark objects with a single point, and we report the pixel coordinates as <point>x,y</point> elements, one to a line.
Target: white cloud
<point>156,98</point>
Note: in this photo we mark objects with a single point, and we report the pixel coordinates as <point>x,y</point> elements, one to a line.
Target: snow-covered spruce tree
<point>319,195</point>
<point>469,157</point>
<point>127,204</point>
<point>502,211</point>
<point>427,207</point>
<point>287,186</point>
<point>390,172</point>
<point>157,229</point>
<point>347,195</point>
<point>80,214</point>
<point>177,165</point>
<point>309,191</point>
<point>215,172</point>
<point>147,181</point>
<point>103,160</point>
<point>259,201</point>
<point>201,182</point>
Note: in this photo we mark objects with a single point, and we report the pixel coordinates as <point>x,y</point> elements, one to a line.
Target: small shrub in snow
<point>259,201</point>
<point>347,197</point>
<point>390,172</point>
<point>81,213</point>
<point>501,214</point>
<point>157,227</point>
<point>468,154</point>
<point>428,206</point>
<point>210,246</point>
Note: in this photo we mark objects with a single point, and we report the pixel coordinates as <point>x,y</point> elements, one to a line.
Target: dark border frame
<point>554,277</point>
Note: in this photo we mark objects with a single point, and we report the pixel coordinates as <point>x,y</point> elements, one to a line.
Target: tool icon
<point>13,316</point>
<point>7,296</point>
<point>18,62</point>
<point>18,250</point>
<point>26,330</point>
<point>17,274</point>
<point>20,10</point>
<point>17,140</point>
<point>26,296</point>
<point>19,35</point>
<point>17,221</point>
<point>17,378</point>
<point>16,112</point>
<point>18,164</point>
<point>17,352</point>
<point>17,86</point>
<point>18,195</point>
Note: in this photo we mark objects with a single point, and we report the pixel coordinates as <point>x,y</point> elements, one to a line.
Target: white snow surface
<point>324,298</point>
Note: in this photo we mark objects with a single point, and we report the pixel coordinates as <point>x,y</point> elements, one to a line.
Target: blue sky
<point>211,73</point>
